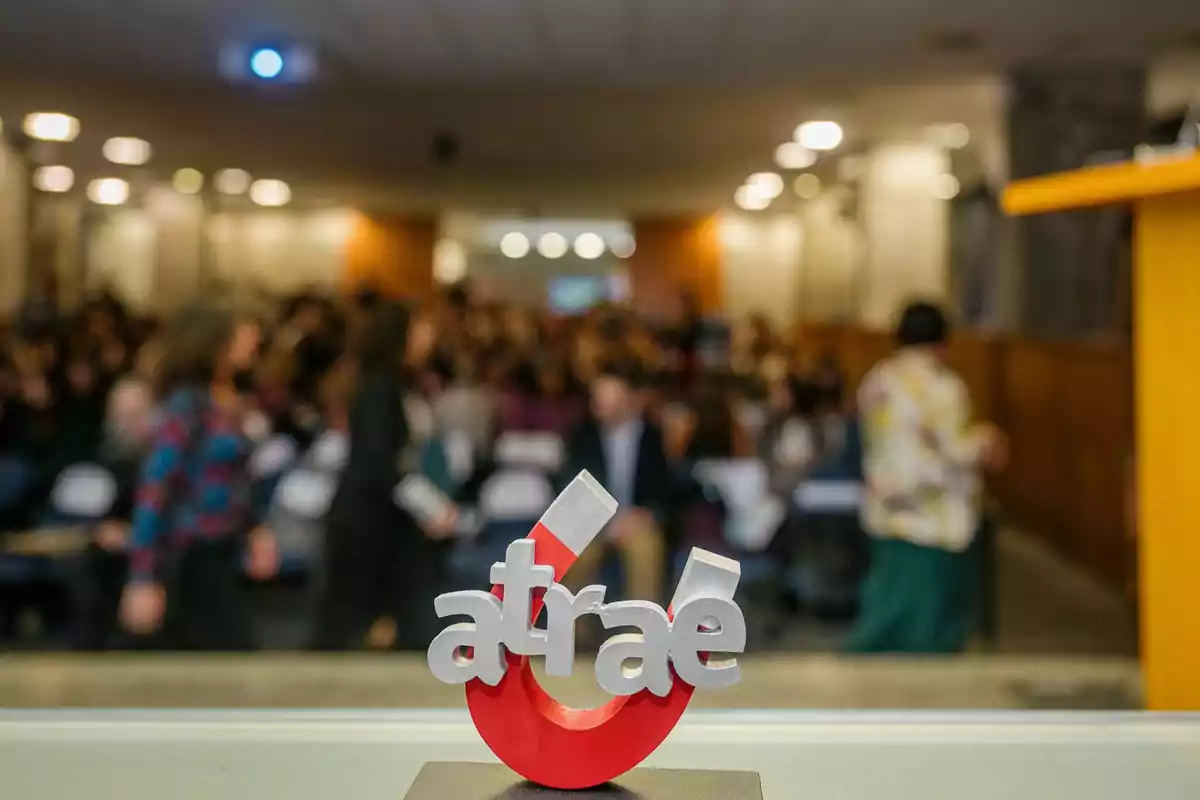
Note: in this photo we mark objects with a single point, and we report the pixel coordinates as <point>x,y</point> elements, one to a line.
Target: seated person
<point>104,566</point>
<point>624,451</point>
<point>540,400</point>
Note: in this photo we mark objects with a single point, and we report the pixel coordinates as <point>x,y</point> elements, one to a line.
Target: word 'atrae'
<point>652,672</point>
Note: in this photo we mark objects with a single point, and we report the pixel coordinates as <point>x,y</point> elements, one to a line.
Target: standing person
<point>191,518</point>
<point>378,560</point>
<point>922,456</point>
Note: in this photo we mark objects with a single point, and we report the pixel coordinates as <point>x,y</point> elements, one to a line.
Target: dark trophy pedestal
<point>447,780</point>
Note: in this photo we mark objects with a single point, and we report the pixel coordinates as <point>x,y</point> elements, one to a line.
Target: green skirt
<point>915,600</point>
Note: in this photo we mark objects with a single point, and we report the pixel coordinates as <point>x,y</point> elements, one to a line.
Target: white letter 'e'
<point>692,634</point>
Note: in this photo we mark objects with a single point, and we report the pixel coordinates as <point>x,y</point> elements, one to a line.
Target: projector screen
<point>575,294</point>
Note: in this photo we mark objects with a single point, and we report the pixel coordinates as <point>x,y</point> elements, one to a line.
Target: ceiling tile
<point>687,35</point>
<point>492,37</point>
<point>586,39</point>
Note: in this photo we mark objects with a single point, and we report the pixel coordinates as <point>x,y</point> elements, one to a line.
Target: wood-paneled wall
<point>673,256</point>
<point>390,254</point>
<point>1068,410</point>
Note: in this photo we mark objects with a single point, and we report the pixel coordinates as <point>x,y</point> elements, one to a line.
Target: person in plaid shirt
<point>192,510</point>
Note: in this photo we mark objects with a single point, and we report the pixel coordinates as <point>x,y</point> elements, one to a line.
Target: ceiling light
<point>552,245</point>
<point>767,184</point>
<point>750,198</point>
<point>819,135</point>
<point>53,179</point>
<point>108,191</point>
<point>622,246</point>
<point>127,150</point>
<point>793,155</point>
<point>806,186</point>
<point>270,192</point>
<point>266,63</point>
<point>50,126</point>
<point>589,246</point>
<point>945,187</point>
<point>515,245</point>
<point>232,181</point>
<point>953,136</point>
<point>188,181</point>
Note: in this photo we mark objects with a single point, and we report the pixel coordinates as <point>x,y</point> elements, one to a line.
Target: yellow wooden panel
<point>1104,185</point>
<point>1167,318</point>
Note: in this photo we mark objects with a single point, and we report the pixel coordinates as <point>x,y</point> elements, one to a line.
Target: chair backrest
<point>528,450</point>
<point>829,497</point>
<point>84,491</point>
<point>273,456</point>
<point>754,514</point>
<point>511,495</point>
<point>329,452</point>
<point>741,482</point>
<point>305,493</point>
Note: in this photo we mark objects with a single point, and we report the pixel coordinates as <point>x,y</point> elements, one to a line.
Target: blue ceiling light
<point>266,63</point>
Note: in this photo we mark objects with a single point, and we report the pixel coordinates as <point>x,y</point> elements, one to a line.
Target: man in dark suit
<point>624,451</point>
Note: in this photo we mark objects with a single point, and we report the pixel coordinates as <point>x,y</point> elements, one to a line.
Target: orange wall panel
<point>390,254</point>
<point>676,256</point>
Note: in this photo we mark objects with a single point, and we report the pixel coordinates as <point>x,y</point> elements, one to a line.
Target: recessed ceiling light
<point>108,191</point>
<point>819,135</point>
<point>622,245</point>
<point>806,186</point>
<point>552,245</point>
<point>51,126</point>
<point>127,150</point>
<point>232,181</point>
<point>54,179</point>
<point>266,63</point>
<point>589,246</point>
<point>514,245</point>
<point>188,180</point>
<point>270,192</point>
<point>767,184</point>
<point>945,187</point>
<point>793,155</point>
<point>750,198</point>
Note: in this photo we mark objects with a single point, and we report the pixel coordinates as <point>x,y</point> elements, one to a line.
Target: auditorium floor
<point>369,681</point>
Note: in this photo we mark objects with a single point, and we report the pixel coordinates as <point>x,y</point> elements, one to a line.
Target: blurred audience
<point>201,419</point>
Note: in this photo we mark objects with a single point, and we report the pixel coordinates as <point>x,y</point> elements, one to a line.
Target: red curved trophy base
<point>556,746</point>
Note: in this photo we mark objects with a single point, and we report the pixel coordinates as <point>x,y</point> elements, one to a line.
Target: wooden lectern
<point>1165,196</point>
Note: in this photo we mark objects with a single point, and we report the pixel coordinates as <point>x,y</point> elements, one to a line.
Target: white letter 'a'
<point>446,662</point>
<point>650,648</point>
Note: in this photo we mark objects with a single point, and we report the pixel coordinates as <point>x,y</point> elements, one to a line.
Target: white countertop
<point>374,755</point>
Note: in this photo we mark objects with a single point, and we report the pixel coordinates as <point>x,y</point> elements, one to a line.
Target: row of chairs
<point>294,487</point>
